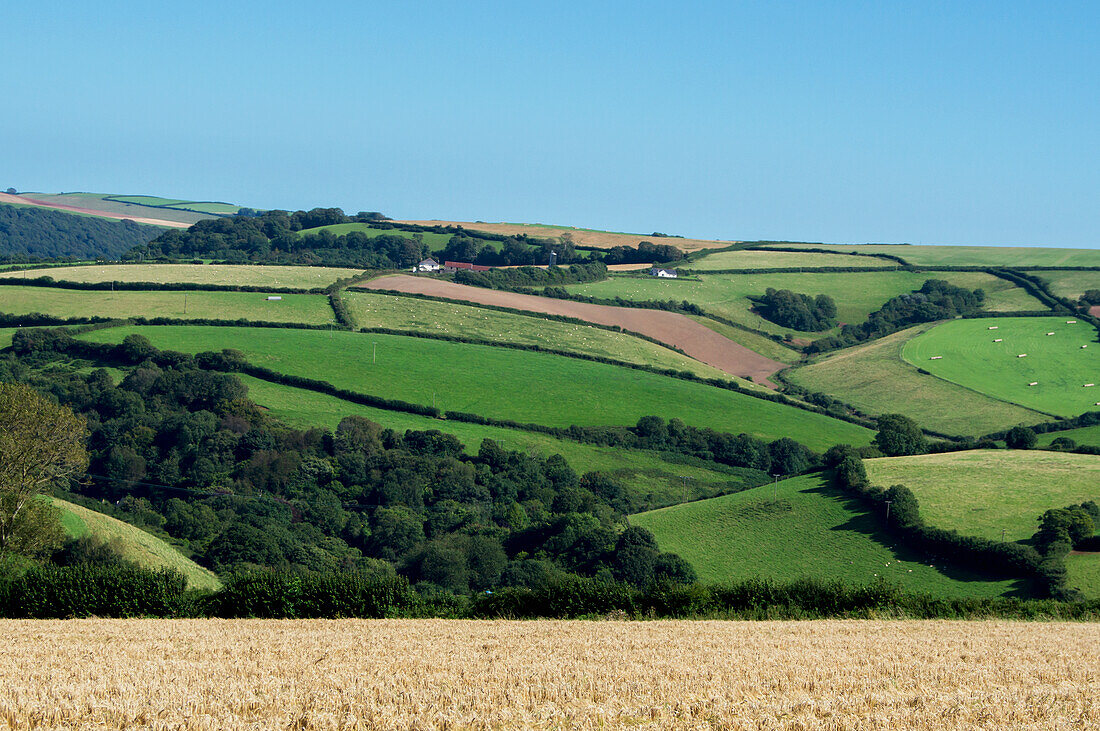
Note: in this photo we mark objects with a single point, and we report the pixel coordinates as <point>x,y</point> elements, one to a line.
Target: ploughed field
<point>442,674</point>
<point>236,275</point>
<point>802,527</point>
<point>1028,366</point>
<point>670,328</point>
<point>498,382</point>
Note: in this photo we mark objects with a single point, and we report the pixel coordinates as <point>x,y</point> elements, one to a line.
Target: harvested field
<point>444,674</point>
<point>20,200</point>
<point>253,275</point>
<point>671,328</point>
<point>583,236</point>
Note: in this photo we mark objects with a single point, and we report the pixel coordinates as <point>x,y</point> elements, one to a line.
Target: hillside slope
<point>136,545</point>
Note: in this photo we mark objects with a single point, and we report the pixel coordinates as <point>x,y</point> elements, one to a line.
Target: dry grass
<point>207,674</point>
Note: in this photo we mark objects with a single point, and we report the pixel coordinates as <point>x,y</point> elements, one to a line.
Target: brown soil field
<point>20,200</point>
<point>1095,310</point>
<point>455,674</point>
<point>670,328</point>
<point>598,239</point>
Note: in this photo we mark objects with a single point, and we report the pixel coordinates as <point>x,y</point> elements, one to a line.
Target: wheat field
<point>443,674</point>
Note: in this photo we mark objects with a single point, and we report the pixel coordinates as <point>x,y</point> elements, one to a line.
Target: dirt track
<point>672,328</point>
<point>20,200</point>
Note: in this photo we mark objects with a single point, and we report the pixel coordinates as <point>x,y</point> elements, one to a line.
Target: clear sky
<point>922,122</point>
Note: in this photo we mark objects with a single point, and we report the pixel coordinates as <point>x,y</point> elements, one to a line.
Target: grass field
<point>1013,256</point>
<point>1057,363</point>
<point>304,308</point>
<point>135,544</point>
<point>501,383</point>
<point>874,378</point>
<point>584,236</point>
<point>811,530</point>
<point>224,274</point>
<point>102,202</point>
<point>983,492</point>
<point>454,674</point>
<point>856,294</point>
<point>651,476</point>
<point>766,258</point>
<point>1070,284</point>
<point>433,240</point>
<point>1083,573</point>
<point>147,200</point>
<point>1084,435</point>
<point>379,310</point>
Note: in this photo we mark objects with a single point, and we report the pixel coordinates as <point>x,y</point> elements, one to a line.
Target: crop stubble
<point>436,674</point>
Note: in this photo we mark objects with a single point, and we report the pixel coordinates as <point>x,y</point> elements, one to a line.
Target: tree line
<point>30,234</point>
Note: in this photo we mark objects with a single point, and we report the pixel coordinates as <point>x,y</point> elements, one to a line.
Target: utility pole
<point>185,303</point>
<point>1002,535</point>
<point>684,480</point>
<point>775,488</point>
<point>888,511</point>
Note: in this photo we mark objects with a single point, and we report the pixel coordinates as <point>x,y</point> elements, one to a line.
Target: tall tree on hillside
<point>899,435</point>
<point>41,443</point>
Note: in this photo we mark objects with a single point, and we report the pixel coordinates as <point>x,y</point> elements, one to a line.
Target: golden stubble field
<point>440,674</point>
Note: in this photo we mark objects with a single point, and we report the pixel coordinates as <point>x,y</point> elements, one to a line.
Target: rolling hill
<point>135,544</point>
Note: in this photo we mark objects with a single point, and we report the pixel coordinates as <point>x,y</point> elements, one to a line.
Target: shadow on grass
<point>867,523</point>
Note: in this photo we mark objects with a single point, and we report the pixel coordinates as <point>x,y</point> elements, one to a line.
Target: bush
<point>87,590</point>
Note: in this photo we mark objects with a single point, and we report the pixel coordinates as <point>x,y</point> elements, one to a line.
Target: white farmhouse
<point>662,273</point>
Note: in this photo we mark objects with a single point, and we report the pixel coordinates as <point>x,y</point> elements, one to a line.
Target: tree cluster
<point>935,300</point>
<point>30,234</point>
<point>796,310</point>
<point>644,253</point>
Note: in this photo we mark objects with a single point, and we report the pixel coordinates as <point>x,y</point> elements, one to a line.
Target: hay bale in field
<point>1071,322</point>
<point>1089,385</point>
<point>993,327</point>
<point>1050,333</point>
<point>1033,383</point>
<point>1084,346</point>
<point>936,357</point>
<point>1022,355</point>
<point>998,340</point>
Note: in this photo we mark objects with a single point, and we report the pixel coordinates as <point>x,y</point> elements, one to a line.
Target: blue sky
<point>921,122</point>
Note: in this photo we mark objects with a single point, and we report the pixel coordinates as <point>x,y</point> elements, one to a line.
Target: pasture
<point>448,318</point>
<point>1057,363</point>
<point>767,258</point>
<point>653,478</point>
<point>1070,284</point>
<point>301,308</point>
<point>499,382</point>
<point>1009,256</point>
<point>1084,435</point>
<point>811,530</point>
<point>444,674</point>
<point>856,294</point>
<point>1083,573</point>
<point>98,202</point>
<point>132,543</point>
<point>235,275</point>
<point>433,240</point>
<point>983,492</point>
<point>874,378</point>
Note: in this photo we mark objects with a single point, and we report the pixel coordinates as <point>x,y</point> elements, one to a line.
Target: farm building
<point>428,265</point>
<point>453,266</point>
<point>662,273</point>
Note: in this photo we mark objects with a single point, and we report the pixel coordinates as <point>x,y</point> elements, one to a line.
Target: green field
<point>303,308</point>
<point>874,378</point>
<point>135,544</point>
<point>655,478</point>
<point>5,336</point>
<point>982,492</point>
<point>102,202</point>
<point>236,275</point>
<point>1057,363</point>
<point>447,318</point>
<point>812,530</point>
<point>1013,256</point>
<point>1070,284</point>
<point>433,240</point>
<point>500,382</point>
<point>1083,573</point>
<point>856,294</point>
<point>767,258</point>
<point>1085,435</point>
<point>147,200</point>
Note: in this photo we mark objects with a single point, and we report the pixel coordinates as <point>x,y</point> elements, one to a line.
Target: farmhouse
<point>662,273</point>
<point>428,265</point>
<point>453,266</point>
